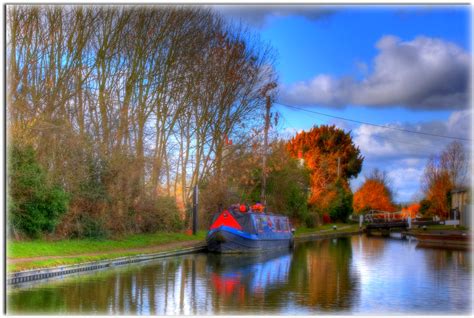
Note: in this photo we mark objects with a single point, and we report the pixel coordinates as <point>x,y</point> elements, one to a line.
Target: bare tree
<point>455,161</point>
<point>130,103</point>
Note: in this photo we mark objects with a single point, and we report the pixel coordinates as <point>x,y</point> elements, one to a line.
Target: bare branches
<point>152,93</point>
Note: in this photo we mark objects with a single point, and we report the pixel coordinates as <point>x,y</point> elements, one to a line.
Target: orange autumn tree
<point>321,148</point>
<point>438,193</point>
<point>411,211</point>
<point>443,173</point>
<point>374,194</point>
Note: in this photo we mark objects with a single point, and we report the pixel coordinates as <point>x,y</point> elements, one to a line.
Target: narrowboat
<point>444,239</point>
<point>242,230</point>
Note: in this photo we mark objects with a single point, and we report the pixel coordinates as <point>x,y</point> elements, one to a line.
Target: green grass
<point>347,227</point>
<point>35,248</point>
<point>68,261</point>
<point>441,227</point>
<point>70,250</point>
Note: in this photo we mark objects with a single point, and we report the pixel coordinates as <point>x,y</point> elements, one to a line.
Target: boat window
<point>278,225</point>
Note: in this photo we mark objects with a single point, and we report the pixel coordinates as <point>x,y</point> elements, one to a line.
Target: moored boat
<point>444,239</point>
<point>245,230</point>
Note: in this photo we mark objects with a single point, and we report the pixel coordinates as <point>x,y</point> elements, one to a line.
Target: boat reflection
<point>247,278</point>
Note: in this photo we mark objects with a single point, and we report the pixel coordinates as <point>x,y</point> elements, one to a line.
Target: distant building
<point>461,204</point>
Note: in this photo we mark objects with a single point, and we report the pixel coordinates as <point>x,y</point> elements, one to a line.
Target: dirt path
<point>148,249</point>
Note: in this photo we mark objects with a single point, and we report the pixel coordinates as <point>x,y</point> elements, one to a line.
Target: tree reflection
<point>441,259</point>
<point>326,279</point>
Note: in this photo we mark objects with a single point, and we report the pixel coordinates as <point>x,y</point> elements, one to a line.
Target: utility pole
<point>265,150</point>
<point>265,92</point>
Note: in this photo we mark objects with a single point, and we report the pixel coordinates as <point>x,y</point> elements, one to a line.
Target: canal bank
<point>35,274</point>
<point>45,273</point>
<point>327,234</point>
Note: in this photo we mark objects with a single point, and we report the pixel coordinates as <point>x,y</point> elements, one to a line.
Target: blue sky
<point>401,66</point>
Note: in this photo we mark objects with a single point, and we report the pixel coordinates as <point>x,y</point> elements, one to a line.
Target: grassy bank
<point>25,255</point>
<point>35,248</point>
<point>439,227</point>
<point>66,252</point>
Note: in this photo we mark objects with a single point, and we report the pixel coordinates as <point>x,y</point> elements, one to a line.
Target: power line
<point>376,125</point>
<point>380,136</point>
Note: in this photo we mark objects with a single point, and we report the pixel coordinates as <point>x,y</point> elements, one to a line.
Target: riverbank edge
<point>316,236</point>
<point>49,272</point>
<point>64,270</point>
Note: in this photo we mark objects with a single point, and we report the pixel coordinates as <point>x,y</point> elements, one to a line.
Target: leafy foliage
<point>425,206</point>
<point>287,183</point>
<point>373,195</point>
<point>325,150</point>
<point>34,206</point>
<point>442,174</point>
<point>439,194</point>
<point>341,206</point>
<point>412,210</point>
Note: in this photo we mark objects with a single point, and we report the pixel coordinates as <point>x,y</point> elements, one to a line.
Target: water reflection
<point>321,275</point>
<point>248,281</point>
<point>345,275</point>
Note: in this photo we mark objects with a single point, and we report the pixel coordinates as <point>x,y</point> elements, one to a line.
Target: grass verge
<point>36,248</point>
<point>70,250</point>
<point>21,266</point>
<point>440,227</point>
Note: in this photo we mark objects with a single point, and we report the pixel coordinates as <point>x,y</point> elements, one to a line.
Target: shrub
<point>93,228</point>
<point>160,214</point>
<point>341,207</point>
<point>312,219</point>
<point>34,206</point>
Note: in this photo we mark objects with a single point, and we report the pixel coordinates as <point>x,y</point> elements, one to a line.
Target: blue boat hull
<point>228,240</point>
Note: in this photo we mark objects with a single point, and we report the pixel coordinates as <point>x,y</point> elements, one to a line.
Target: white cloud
<point>378,142</point>
<point>404,155</point>
<point>405,178</point>
<point>425,73</point>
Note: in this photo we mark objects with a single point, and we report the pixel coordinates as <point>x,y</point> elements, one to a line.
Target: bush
<point>312,219</point>
<point>287,186</point>
<point>160,214</point>
<point>341,207</point>
<point>92,228</point>
<point>34,206</point>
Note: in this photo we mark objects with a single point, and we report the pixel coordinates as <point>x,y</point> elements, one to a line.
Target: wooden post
<point>195,209</point>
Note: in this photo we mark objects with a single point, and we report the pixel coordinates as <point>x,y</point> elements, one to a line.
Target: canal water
<point>350,275</point>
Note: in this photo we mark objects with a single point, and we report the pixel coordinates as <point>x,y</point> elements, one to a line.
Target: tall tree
<point>455,161</point>
<point>328,152</point>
